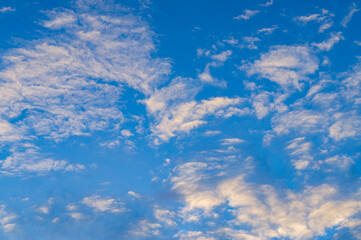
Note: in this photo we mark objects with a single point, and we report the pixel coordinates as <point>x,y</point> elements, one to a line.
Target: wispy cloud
<point>267,30</point>
<point>325,19</point>
<point>231,141</point>
<point>329,43</point>
<point>189,115</point>
<point>52,89</point>
<point>300,151</point>
<point>212,133</point>
<point>206,76</point>
<point>145,229</point>
<point>268,3</point>
<point>223,56</point>
<point>28,158</point>
<point>300,121</point>
<point>346,127</point>
<point>260,207</point>
<point>285,65</point>
<point>60,19</point>
<point>249,42</point>
<point>232,41</point>
<point>165,216</point>
<point>7,219</point>
<point>7,9</point>
<point>134,194</point>
<point>104,204</point>
<point>352,10</point>
<point>247,14</point>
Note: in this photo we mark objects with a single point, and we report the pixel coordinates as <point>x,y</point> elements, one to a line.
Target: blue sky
<point>190,120</point>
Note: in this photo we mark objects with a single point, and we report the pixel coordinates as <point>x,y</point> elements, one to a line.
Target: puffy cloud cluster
<point>265,212</point>
<point>71,83</point>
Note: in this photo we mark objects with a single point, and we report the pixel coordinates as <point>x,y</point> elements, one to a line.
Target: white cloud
<point>325,19</point>
<point>328,44</point>
<point>195,195</point>
<point>265,102</point>
<point>223,56</point>
<point>44,209</point>
<point>71,207</point>
<point>7,9</point>
<point>76,215</point>
<point>249,42</point>
<point>232,41</point>
<point>339,162</point>
<point>300,151</point>
<point>266,4</point>
<point>231,141</point>
<point>234,111</point>
<point>351,85</point>
<point>325,26</point>
<point>8,132</point>
<point>70,83</point>
<point>308,18</point>
<point>29,159</point>
<point>261,104</point>
<point>134,194</point>
<point>206,76</point>
<point>179,89</point>
<point>203,52</point>
<point>314,90</point>
<point>326,99</point>
<point>186,116</point>
<point>236,234</point>
<point>296,215</point>
<point>212,133</point>
<point>267,30</point>
<point>60,19</point>
<point>104,204</point>
<point>285,65</point>
<point>126,133</point>
<point>218,60</point>
<point>352,11</point>
<point>304,121</point>
<point>167,161</point>
<point>247,14</point>
<point>165,216</point>
<point>345,128</point>
<point>145,229</point>
<point>192,235</point>
<point>60,94</point>
<point>111,144</point>
<point>6,219</point>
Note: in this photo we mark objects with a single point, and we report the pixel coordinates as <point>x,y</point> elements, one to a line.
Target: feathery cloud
<point>352,10</point>
<point>104,204</point>
<point>247,14</point>
<point>7,9</point>
<point>285,65</point>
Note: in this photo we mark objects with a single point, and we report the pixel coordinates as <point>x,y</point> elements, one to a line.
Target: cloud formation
<point>297,215</point>
<point>247,14</point>
<point>70,84</point>
<point>285,65</point>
